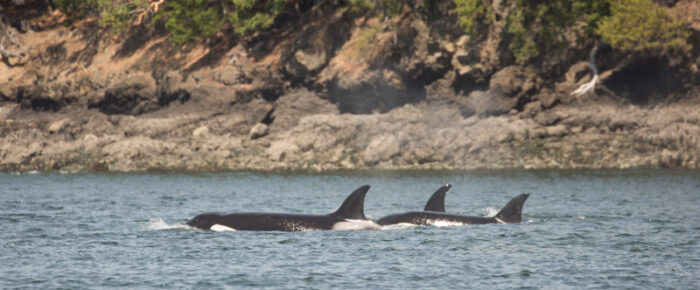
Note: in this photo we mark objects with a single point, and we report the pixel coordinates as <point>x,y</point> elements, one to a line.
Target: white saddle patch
<point>356,225</point>
<point>220,228</point>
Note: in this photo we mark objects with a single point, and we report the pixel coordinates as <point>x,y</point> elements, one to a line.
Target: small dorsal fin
<point>437,201</point>
<point>511,213</point>
<point>353,206</point>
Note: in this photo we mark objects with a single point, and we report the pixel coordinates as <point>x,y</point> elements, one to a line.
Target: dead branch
<point>152,8</point>
<point>5,37</point>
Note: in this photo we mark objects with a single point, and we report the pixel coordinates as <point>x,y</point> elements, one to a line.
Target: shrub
<point>378,8</point>
<point>254,15</point>
<point>188,20</point>
<point>637,25</point>
<point>472,12</point>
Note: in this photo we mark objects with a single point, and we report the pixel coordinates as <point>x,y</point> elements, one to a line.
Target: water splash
<point>160,224</point>
<point>491,211</point>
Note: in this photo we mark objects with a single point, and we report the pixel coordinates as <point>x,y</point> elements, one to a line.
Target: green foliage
<point>76,9</point>
<point>254,15</point>
<point>366,39</point>
<point>472,12</point>
<point>118,15</point>
<point>637,25</point>
<point>538,26</point>
<point>379,8</point>
<point>188,20</point>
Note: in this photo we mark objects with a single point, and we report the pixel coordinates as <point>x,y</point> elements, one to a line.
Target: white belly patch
<point>439,223</point>
<point>220,228</point>
<point>356,225</point>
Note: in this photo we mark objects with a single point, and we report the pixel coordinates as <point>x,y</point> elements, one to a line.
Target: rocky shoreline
<point>409,137</point>
<point>424,96</point>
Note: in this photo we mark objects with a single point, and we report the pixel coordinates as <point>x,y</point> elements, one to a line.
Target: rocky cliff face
<point>336,92</point>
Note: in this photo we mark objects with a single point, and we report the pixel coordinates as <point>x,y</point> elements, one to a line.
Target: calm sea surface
<point>581,229</point>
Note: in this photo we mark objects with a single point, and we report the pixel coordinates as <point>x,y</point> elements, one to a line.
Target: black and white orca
<point>350,216</point>
<point>434,213</point>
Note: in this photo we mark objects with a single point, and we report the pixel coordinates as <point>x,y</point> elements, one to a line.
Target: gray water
<point>580,229</point>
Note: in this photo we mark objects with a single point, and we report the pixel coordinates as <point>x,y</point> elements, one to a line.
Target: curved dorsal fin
<point>511,213</point>
<point>437,201</point>
<point>353,206</point>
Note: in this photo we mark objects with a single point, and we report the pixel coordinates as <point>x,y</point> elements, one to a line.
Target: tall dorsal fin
<point>511,213</point>
<point>437,201</point>
<point>353,206</point>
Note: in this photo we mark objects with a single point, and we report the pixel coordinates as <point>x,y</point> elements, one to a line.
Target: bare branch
<point>6,36</point>
<point>152,9</point>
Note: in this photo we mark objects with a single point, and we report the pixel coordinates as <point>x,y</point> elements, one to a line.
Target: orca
<point>350,216</point>
<point>434,213</point>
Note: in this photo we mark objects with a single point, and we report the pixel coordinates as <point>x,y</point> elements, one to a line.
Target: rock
<point>514,81</point>
<point>5,110</point>
<point>90,141</point>
<point>135,94</point>
<point>201,131</point>
<point>532,109</point>
<point>557,130</point>
<point>370,91</point>
<point>308,62</point>
<point>577,72</point>
<point>381,148</point>
<point>279,150</point>
<point>669,159</point>
<point>229,76</point>
<point>90,138</point>
<point>259,130</point>
<point>548,98</point>
<point>291,107</point>
<point>489,103</point>
<point>57,126</point>
<point>550,117</point>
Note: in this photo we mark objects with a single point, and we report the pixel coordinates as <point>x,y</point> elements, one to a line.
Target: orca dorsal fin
<point>437,201</point>
<point>353,206</point>
<point>511,213</point>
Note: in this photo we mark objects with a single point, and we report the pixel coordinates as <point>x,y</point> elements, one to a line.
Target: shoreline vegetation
<point>222,85</point>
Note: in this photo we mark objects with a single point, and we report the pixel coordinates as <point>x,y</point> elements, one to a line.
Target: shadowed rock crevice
<point>645,82</point>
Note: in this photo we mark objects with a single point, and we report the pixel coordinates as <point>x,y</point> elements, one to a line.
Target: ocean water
<point>580,229</point>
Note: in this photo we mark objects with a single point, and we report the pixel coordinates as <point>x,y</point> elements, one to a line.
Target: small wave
<point>160,224</point>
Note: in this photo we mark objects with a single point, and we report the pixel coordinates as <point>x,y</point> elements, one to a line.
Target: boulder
<point>57,126</point>
<point>279,150</point>
<point>259,130</point>
<point>200,131</point>
<point>513,81</point>
<point>487,103</point>
<point>382,148</point>
<point>133,95</point>
<point>303,63</point>
<point>292,106</point>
